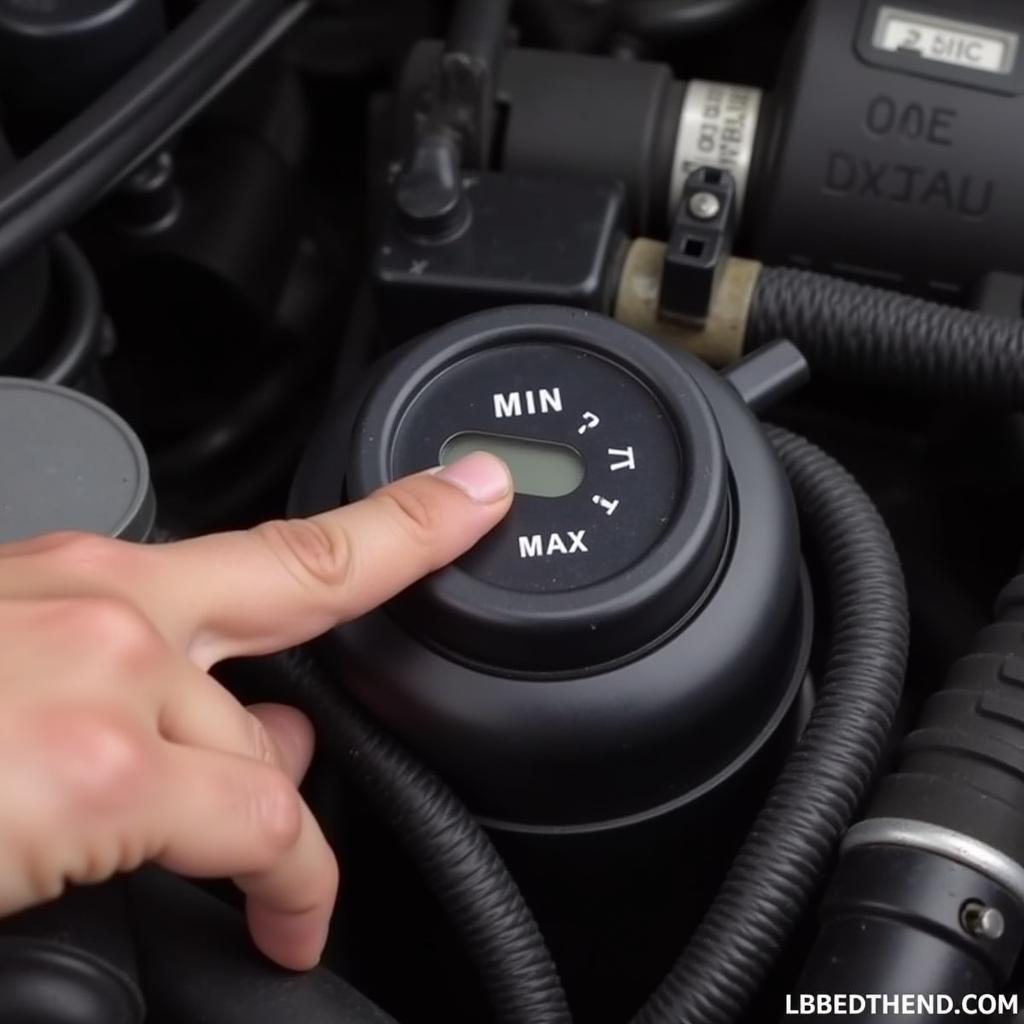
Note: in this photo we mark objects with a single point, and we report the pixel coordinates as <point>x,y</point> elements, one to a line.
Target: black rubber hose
<point>57,181</point>
<point>448,846</point>
<point>944,832</point>
<point>855,332</point>
<point>781,864</point>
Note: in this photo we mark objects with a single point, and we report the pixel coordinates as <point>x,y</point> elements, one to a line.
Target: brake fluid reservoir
<point>635,632</point>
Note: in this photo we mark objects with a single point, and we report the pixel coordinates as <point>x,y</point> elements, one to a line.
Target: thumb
<point>285,582</point>
<point>292,735</point>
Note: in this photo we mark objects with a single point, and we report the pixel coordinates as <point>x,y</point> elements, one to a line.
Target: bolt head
<point>704,205</point>
<point>983,921</point>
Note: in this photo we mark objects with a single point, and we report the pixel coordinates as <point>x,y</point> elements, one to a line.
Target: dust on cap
<point>67,462</point>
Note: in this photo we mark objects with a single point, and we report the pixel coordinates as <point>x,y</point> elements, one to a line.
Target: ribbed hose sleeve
<point>962,766</point>
<point>781,864</point>
<point>944,832</point>
<point>448,846</point>
<point>856,332</point>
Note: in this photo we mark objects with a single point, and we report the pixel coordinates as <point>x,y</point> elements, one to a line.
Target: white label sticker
<point>959,43</point>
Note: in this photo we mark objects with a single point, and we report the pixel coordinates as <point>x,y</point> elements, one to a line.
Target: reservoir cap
<point>621,514</point>
<point>67,462</point>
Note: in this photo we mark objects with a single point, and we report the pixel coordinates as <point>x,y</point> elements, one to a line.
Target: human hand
<point>118,748</point>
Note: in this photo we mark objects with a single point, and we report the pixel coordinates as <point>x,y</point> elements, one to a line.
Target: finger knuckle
<point>97,854</point>
<point>315,556</point>
<point>115,630</point>
<point>78,551</point>
<point>277,808</point>
<point>102,853</point>
<point>103,762</point>
<point>418,517</point>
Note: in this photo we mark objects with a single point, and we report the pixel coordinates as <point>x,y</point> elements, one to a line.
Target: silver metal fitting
<point>717,128</point>
<point>955,846</point>
<point>704,205</point>
<point>982,921</point>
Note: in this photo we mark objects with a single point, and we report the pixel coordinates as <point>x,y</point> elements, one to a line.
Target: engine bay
<point>724,722</point>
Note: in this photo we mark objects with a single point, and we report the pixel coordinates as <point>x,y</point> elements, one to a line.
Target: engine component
<point>426,281</point>
<point>721,338</point>
<point>51,312</point>
<point>698,246</point>
<point>650,580</point>
<point>868,335</point>
<point>449,847</point>
<point>69,463</point>
<point>130,121</point>
<point>790,846</point>
<point>459,98</point>
<point>409,684</point>
<point>66,339</point>
<point>592,747</point>
<point>849,332</point>
<point>223,221</point>
<point>582,117</point>
<point>92,43</point>
<point>889,123</point>
<point>930,886</point>
<point>892,126</point>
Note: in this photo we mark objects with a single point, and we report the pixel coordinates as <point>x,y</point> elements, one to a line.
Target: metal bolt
<point>704,205</point>
<point>982,921</point>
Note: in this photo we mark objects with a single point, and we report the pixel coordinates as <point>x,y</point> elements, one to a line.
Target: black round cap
<point>566,582</point>
<point>566,691</point>
<point>67,462</point>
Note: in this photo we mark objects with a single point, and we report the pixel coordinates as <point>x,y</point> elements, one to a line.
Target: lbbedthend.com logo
<point>850,1004</point>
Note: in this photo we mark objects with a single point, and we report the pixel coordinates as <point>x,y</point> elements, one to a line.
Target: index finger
<point>285,582</point>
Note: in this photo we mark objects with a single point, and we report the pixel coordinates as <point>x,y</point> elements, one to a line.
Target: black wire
<point>83,316</point>
<point>59,180</point>
<point>681,17</point>
<point>787,852</point>
<point>858,333</point>
<point>449,848</point>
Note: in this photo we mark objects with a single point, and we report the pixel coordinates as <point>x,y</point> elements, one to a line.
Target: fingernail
<point>480,475</point>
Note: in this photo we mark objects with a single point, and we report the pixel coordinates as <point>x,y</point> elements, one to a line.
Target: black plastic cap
<point>562,692</point>
<point>499,610</point>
